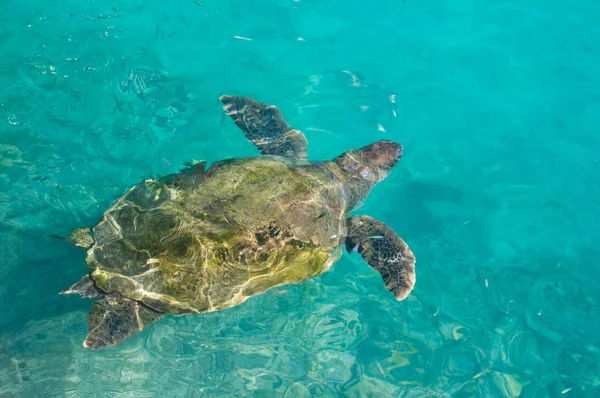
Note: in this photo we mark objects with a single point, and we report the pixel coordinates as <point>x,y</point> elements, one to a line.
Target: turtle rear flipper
<point>264,126</point>
<point>80,237</point>
<point>114,318</point>
<point>86,288</point>
<point>385,252</point>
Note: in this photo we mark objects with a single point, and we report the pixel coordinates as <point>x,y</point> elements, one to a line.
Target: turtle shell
<point>206,240</point>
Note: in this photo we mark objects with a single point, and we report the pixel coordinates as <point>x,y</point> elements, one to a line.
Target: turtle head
<point>381,156</point>
<point>372,163</point>
<point>365,167</point>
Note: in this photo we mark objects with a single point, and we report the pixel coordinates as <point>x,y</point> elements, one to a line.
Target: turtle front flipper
<point>385,252</point>
<point>264,126</point>
<point>114,318</point>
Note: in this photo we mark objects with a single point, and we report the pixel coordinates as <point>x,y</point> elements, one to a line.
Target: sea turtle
<point>208,239</point>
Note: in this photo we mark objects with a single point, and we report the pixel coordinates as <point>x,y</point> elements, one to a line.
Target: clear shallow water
<point>498,192</point>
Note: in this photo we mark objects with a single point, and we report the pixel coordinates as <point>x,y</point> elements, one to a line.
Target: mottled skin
<point>385,252</point>
<point>126,317</point>
<point>208,239</point>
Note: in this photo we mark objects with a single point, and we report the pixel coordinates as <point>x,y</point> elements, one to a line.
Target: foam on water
<point>497,104</point>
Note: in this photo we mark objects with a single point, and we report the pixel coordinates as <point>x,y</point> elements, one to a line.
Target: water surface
<point>498,193</point>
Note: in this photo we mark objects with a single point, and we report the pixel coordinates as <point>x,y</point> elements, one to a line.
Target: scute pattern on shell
<point>206,240</point>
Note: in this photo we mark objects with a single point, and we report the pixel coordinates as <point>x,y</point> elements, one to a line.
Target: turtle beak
<point>234,104</point>
<point>228,104</point>
<point>399,152</point>
<point>395,150</point>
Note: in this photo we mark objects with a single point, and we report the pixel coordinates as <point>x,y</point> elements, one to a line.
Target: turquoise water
<point>498,192</point>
